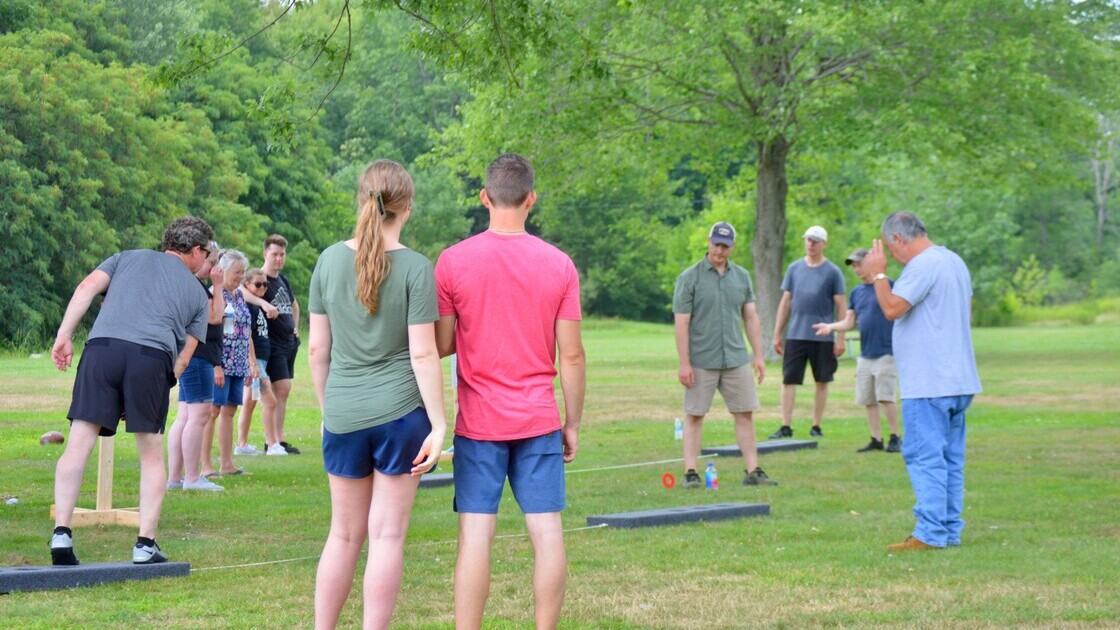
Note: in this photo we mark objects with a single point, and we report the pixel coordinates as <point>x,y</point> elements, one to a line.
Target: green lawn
<point>1041,548</point>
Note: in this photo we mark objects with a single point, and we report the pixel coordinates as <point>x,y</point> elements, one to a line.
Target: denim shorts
<point>534,466</point>
<point>196,383</point>
<point>230,393</point>
<point>387,448</point>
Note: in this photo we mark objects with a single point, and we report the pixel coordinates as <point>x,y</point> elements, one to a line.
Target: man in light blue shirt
<point>931,307</point>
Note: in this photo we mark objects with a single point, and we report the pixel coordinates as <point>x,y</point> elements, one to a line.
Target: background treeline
<point>992,120</point>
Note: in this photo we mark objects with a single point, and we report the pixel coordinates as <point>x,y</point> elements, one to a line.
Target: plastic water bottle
<point>678,430</point>
<point>711,477</point>
<point>227,320</point>
<point>255,389</point>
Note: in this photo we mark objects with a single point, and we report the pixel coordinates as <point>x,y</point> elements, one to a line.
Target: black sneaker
<point>289,448</point>
<point>873,445</point>
<point>895,444</point>
<point>782,433</point>
<point>62,550</point>
<point>816,432</point>
<point>758,478</point>
<point>691,479</point>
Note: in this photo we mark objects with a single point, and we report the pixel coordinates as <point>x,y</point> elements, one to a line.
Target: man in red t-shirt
<point>507,302</point>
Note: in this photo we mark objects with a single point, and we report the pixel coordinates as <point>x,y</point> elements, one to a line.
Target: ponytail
<point>385,191</point>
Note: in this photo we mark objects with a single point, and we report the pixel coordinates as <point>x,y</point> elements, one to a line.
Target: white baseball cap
<point>817,233</point>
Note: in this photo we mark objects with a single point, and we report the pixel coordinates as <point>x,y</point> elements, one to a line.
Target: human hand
<point>62,353</point>
<point>217,276</point>
<point>759,369</point>
<point>219,376</point>
<point>686,376</point>
<point>778,344</point>
<point>822,329</point>
<point>875,262</point>
<point>270,311</point>
<point>429,453</point>
<point>838,347</point>
<point>570,436</point>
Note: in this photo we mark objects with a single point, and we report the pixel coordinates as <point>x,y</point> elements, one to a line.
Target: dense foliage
<point>646,121</point>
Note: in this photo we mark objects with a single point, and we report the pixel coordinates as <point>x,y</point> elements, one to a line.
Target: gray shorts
<point>736,385</point>
<point>876,380</point>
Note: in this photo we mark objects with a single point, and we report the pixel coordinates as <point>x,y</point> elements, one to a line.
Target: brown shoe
<point>910,544</point>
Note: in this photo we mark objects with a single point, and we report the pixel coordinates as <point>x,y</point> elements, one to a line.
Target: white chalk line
<point>423,544</point>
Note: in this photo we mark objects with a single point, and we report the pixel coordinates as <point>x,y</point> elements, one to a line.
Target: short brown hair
<point>509,180</point>
<point>186,233</point>
<point>275,239</point>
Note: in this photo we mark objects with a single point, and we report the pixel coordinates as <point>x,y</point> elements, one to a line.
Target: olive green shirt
<point>371,380</point>
<point>715,302</point>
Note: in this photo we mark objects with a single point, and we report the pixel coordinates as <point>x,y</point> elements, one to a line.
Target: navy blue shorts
<point>119,379</point>
<point>387,448</point>
<point>196,383</point>
<point>534,467</point>
<point>230,393</point>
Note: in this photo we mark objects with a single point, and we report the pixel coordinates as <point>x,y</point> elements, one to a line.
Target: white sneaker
<point>175,485</point>
<point>248,449</point>
<point>276,449</point>
<point>202,484</point>
<point>144,554</point>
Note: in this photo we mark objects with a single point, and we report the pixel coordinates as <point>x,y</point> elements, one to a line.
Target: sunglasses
<point>257,285</point>
<point>205,252</point>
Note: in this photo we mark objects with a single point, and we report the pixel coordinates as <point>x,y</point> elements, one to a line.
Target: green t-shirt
<point>371,380</point>
<point>715,302</point>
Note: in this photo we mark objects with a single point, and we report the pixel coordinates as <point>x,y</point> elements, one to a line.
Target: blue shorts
<point>230,393</point>
<point>387,448</point>
<point>534,466</point>
<point>196,383</point>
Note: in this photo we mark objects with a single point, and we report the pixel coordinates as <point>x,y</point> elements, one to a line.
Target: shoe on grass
<point>691,479</point>
<point>895,444</point>
<point>276,449</point>
<point>911,544</point>
<point>782,433</point>
<point>202,484</point>
<point>248,449</point>
<point>873,445</point>
<point>175,485</point>
<point>291,449</point>
<point>757,478</point>
<point>62,550</point>
<point>148,554</point>
<point>816,432</point>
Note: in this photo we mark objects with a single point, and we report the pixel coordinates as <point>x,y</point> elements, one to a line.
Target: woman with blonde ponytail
<point>376,371</point>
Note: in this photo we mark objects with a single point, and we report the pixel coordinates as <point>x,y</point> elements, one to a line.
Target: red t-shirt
<point>507,293</point>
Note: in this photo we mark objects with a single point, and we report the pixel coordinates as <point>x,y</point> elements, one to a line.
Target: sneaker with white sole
<point>276,449</point>
<point>62,550</point>
<point>175,485</point>
<point>248,449</point>
<point>148,554</point>
<point>202,484</point>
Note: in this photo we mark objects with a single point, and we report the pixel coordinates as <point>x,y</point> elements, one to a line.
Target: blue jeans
<point>934,454</point>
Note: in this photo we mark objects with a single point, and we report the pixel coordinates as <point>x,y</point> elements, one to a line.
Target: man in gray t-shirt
<point>152,318</point>
<point>812,293</point>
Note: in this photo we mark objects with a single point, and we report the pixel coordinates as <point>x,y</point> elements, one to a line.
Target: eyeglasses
<point>205,251</point>
<point>258,285</point>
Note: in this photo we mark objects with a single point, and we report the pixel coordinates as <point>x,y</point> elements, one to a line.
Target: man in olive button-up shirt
<point>713,302</point>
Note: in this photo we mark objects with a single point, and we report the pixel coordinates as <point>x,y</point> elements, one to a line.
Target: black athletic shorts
<point>118,380</point>
<point>282,361</point>
<point>819,354</point>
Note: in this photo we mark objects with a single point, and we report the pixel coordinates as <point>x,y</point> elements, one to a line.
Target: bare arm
<point>841,302</point>
<point>270,311</point>
<point>780,319</point>
<point>217,300</point>
<point>62,353</point>
<point>848,323</point>
<point>685,373</point>
<point>295,317</point>
<point>185,355</point>
<point>319,355</point>
<point>753,326</point>
<point>445,335</point>
<point>876,262</point>
<point>424,355</point>
<point>573,381</point>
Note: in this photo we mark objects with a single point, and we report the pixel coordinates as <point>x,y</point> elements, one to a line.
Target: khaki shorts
<point>736,385</point>
<point>876,380</point>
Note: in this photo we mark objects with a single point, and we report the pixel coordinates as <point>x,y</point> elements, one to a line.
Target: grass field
<point>1041,547</point>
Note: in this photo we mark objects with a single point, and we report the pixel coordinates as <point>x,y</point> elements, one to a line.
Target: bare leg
<point>175,444</point>
<point>472,568</point>
<point>198,415</point>
<point>70,469</point>
<point>350,502</point>
<point>693,433</point>
<point>268,413</point>
<point>744,437</point>
<point>891,409</point>
<point>819,400</point>
<point>789,394</point>
<point>246,417</point>
<point>153,481</point>
<point>225,438</point>
<point>389,512</point>
<point>281,389</point>
<point>873,422</point>
<point>206,448</point>
<point>550,566</point>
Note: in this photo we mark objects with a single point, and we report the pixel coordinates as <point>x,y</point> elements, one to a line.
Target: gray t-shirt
<point>933,340</point>
<point>152,300</point>
<point>812,297</point>
<point>371,380</point>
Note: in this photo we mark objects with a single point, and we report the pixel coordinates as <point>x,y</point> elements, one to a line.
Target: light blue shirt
<point>933,341</point>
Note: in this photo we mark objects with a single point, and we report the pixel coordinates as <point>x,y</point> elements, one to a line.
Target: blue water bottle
<point>711,477</point>
<point>678,430</point>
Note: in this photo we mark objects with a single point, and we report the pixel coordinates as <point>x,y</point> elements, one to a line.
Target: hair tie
<point>380,204</point>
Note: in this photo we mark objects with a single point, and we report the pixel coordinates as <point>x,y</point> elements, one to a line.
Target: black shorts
<point>282,360</point>
<point>819,354</point>
<point>119,379</point>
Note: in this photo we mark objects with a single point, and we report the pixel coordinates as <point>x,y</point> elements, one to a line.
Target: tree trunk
<point>768,243</point>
